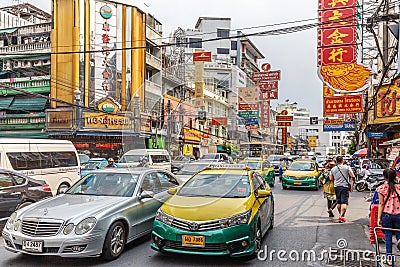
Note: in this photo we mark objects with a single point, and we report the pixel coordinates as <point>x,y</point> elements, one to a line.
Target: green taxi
<point>221,210</point>
<point>263,167</point>
<point>301,173</point>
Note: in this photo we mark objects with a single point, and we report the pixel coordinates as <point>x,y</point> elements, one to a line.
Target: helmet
<point>110,160</point>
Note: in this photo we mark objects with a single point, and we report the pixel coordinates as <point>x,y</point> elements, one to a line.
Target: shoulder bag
<point>347,180</point>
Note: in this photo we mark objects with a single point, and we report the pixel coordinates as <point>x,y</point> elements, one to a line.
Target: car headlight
<point>312,177</point>
<point>11,220</point>
<point>17,225</point>
<point>68,228</point>
<point>236,220</point>
<point>85,226</point>
<point>163,217</point>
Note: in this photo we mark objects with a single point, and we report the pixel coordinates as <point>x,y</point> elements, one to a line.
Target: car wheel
<point>258,238</point>
<point>62,188</point>
<point>22,205</point>
<point>361,187</point>
<point>284,187</point>
<point>114,243</point>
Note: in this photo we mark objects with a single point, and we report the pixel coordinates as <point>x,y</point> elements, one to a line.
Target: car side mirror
<point>62,190</point>
<point>263,193</point>
<point>172,190</point>
<point>146,194</point>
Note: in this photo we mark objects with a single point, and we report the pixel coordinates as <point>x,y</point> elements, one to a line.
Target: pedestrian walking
<point>341,175</point>
<point>328,186</point>
<point>389,209</point>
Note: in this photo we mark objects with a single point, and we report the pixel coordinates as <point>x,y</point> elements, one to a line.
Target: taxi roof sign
<point>228,166</point>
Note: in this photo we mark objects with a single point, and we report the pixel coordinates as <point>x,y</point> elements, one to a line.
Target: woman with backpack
<point>328,186</point>
<point>389,209</point>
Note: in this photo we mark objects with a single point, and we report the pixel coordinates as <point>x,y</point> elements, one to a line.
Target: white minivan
<point>54,161</point>
<point>156,158</point>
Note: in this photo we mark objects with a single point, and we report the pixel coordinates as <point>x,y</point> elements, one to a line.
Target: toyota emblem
<point>194,226</point>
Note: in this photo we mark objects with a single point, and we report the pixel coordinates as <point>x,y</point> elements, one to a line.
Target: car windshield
<point>254,165</point>
<point>191,169</point>
<point>216,185</point>
<point>301,166</point>
<point>131,158</point>
<point>105,184</point>
<point>274,157</point>
<point>209,156</point>
<point>91,165</point>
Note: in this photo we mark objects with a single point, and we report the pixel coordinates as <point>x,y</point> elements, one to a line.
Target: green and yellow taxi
<point>301,173</point>
<point>221,210</point>
<point>263,167</point>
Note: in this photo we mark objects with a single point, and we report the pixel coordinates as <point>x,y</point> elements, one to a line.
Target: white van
<point>54,161</point>
<point>156,158</point>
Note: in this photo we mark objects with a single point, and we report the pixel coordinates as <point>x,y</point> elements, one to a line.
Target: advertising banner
<point>249,121</point>
<point>266,86</point>
<point>248,95</point>
<point>270,94</point>
<point>338,17</point>
<point>337,55</point>
<point>265,76</point>
<point>343,104</point>
<point>219,121</point>
<point>245,106</point>
<point>284,136</point>
<point>248,113</point>
<point>338,36</point>
<point>335,4</point>
<point>202,57</point>
<point>346,126</point>
<point>283,118</point>
<point>265,113</point>
<point>387,107</point>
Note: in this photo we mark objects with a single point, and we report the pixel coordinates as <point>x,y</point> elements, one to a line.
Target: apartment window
<point>223,51</point>
<point>233,45</point>
<point>180,41</point>
<point>195,43</point>
<point>210,107</point>
<point>223,33</point>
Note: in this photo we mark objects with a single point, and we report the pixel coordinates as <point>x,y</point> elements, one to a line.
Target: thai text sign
<point>265,76</point>
<point>346,126</point>
<point>283,118</point>
<point>202,57</point>
<point>244,106</point>
<point>248,113</point>
<point>343,104</point>
<point>106,121</point>
<point>191,135</point>
<point>219,121</point>
<point>377,135</point>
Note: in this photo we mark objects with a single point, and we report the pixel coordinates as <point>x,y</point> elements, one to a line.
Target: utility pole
<point>168,109</point>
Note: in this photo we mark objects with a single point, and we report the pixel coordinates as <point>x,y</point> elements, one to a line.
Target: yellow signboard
<point>387,105</point>
<point>191,135</point>
<point>106,121</point>
<point>312,141</point>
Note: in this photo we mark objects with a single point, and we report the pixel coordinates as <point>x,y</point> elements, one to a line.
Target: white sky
<point>295,54</point>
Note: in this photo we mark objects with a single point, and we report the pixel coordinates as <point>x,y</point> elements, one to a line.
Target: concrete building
<point>24,31</point>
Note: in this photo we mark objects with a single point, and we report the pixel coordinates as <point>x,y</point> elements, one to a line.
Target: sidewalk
<point>351,238</point>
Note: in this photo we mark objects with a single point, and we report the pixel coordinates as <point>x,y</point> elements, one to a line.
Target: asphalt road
<point>301,223</point>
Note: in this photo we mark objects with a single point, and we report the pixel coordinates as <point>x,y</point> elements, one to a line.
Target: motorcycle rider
<point>364,172</point>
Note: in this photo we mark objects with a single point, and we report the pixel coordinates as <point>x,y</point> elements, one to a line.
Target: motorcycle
<point>370,182</point>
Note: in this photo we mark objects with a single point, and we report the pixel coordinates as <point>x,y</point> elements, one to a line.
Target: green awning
<point>24,134</point>
<point>5,102</point>
<point>28,103</point>
<point>10,30</point>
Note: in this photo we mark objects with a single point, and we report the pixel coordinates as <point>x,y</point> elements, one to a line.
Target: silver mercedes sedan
<point>96,217</point>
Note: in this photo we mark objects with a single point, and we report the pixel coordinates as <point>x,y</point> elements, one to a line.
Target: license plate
<point>299,183</point>
<point>193,241</point>
<point>33,246</point>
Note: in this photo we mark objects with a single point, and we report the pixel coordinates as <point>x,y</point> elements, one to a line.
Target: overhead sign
<point>202,57</point>
<point>334,121</point>
<point>346,126</point>
<point>283,118</point>
<point>265,76</point>
<point>244,106</point>
<point>339,17</point>
<point>313,120</point>
<point>266,86</point>
<point>249,121</point>
<point>219,121</point>
<point>377,135</point>
<point>338,36</point>
<point>337,4</point>
<point>248,94</point>
<point>284,136</point>
<point>248,113</point>
<point>284,123</point>
<point>343,104</point>
<point>270,94</point>
<point>387,107</point>
<point>265,113</point>
<point>312,141</point>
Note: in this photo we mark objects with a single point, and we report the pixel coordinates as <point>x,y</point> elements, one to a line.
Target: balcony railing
<point>153,88</point>
<point>153,61</point>
<point>153,35</point>
<point>38,28</point>
<point>38,84</point>
<point>28,48</point>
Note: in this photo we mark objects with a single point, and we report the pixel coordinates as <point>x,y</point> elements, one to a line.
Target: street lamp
<point>77,99</point>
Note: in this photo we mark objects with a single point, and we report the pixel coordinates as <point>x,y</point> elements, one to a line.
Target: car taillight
<point>46,187</point>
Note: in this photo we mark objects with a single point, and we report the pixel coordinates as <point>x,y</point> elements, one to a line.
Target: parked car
<point>179,161</point>
<point>191,168</point>
<point>93,164</point>
<point>217,157</point>
<point>263,167</point>
<point>301,173</point>
<point>18,191</point>
<point>219,211</point>
<point>97,216</point>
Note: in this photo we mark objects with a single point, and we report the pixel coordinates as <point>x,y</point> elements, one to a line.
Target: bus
<point>260,149</point>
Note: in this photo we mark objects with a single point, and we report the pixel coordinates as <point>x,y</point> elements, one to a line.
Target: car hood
<point>204,208</point>
<point>182,178</point>
<point>300,173</point>
<point>70,206</point>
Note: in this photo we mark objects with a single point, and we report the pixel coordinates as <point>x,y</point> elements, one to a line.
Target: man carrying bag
<point>340,175</point>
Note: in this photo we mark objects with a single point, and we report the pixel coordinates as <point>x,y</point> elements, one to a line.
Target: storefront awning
<point>10,30</point>
<point>29,103</point>
<point>119,134</point>
<point>5,102</point>
<point>24,134</point>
